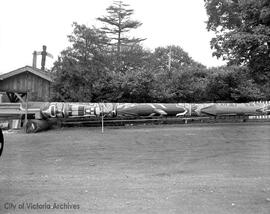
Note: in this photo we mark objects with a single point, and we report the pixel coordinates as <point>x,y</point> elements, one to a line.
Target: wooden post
<point>26,111</point>
<point>102,124</point>
<point>26,104</point>
<point>102,117</point>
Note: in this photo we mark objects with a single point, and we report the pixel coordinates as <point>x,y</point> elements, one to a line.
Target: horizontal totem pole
<point>68,110</point>
<point>59,110</point>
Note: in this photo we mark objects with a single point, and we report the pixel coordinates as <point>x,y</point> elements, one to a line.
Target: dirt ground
<point>162,169</point>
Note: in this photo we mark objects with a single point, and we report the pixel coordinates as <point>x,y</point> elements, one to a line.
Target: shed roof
<point>36,71</point>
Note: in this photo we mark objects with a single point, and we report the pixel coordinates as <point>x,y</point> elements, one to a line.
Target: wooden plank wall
<point>39,88</point>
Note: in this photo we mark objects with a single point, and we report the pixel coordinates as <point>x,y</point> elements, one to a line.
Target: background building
<point>15,84</point>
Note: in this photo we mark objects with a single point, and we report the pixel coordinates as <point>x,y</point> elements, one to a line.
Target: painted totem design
<point>67,110</point>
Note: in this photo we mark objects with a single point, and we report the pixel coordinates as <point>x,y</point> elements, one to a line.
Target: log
<point>34,126</point>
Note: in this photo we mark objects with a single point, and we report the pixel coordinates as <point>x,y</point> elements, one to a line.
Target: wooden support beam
<point>26,104</point>
<point>61,97</point>
<point>15,97</point>
<point>18,96</point>
<point>26,113</point>
<point>9,97</point>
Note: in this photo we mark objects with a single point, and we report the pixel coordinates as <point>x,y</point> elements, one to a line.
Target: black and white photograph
<point>132,106</point>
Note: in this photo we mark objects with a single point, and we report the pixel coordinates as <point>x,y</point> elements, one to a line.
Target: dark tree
<point>242,30</point>
<point>81,66</point>
<point>173,58</point>
<point>176,75</point>
<point>118,22</point>
<point>233,84</point>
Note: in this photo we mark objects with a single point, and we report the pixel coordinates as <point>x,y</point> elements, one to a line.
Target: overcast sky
<point>26,25</point>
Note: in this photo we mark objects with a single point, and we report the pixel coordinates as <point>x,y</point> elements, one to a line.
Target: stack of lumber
<point>10,110</point>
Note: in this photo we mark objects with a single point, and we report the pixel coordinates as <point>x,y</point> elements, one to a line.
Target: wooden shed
<point>26,80</point>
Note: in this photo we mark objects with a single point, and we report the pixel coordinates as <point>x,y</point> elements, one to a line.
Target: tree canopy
<point>242,30</point>
<point>82,65</point>
<point>118,22</point>
<point>89,70</point>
